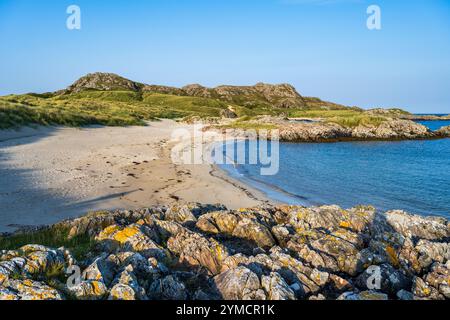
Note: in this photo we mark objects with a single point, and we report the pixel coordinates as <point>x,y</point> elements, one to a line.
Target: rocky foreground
<point>209,252</point>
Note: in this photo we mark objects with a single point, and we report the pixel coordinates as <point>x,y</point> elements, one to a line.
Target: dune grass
<point>111,108</point>
<point>125,108</point>
<point>53,237</point>
<point>357,120</point>
<point>349,118</point>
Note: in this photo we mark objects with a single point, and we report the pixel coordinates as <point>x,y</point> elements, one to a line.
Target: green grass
<point>111,108</point>
<point>52,237</point>
<point>125,108</point>
<point>357,120</point>
<point>324,113</point>
<point>248,126</point>
<point>349,118</point>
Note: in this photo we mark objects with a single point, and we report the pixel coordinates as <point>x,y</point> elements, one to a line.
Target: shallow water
<point>409,175</point>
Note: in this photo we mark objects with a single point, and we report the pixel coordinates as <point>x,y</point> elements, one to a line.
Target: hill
<point>108,99</point>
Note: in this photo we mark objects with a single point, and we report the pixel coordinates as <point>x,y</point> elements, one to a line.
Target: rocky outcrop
<point>103,82</point>
<point>209,252</point>
<point>444,131</point>
<point>323,131</point>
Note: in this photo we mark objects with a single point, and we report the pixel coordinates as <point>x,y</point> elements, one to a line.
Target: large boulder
<point>194,249</point>
<point>239,284</point>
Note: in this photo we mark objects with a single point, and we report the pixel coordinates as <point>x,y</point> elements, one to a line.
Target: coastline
<point>51,174</point>
<point>54,173</point>
<point>288,252</point>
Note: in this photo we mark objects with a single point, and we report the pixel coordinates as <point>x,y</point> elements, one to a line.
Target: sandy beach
<point>52,173</point>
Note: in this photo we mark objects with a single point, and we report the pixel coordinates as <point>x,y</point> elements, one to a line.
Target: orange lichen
<point>345,224</point>
<point>393,257</point>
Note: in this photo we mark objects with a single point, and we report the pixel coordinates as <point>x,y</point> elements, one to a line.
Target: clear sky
<point>322,47</point>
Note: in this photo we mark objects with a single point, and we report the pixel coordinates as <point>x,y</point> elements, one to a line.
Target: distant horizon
<point>323,48</point>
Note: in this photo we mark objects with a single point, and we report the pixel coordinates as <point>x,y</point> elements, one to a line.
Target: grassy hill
<point>107,99</point>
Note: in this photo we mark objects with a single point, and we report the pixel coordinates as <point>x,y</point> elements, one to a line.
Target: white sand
<point>49,174</point>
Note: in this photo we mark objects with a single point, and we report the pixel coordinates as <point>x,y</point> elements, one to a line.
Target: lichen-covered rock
<point>326,131</point>
<point>239,284</point>
<point>391,280</point>
<point>126,287</point>
<point>256,232</point>
<point>208,252</point>
<point>134,237</point>
<point>431,252</point>
<point>276,288</point>
<point>167,229</point>
<point>89,290</point>
<point>239,225</point>
<point>429,228</point>
<point>423,291</point>
<point>31,290</point>
<point>444,131</point>
<point>218,222</point>
<point>40,259</point>
<point>8,295</point>
<point>168,288</point>
<point>439,278</point>
<point>100,270</point>
<point>196,250</point>
<point>188,213</point>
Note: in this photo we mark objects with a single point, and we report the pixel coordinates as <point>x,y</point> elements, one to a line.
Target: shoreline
<point>111,173</point>
<point>51,174</point>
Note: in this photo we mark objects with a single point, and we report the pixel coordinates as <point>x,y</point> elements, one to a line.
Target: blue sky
<point>322,47</point>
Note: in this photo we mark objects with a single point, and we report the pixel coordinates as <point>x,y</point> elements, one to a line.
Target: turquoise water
<point>409,175</point>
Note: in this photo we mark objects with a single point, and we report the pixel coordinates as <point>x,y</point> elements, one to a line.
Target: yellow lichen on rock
<point>124,235</point>
<point>345,224</point>
<point>393,257</point>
